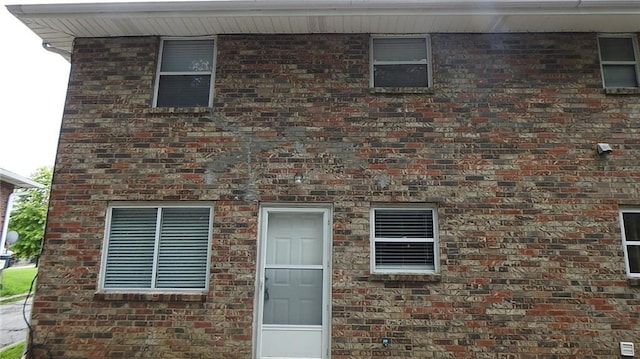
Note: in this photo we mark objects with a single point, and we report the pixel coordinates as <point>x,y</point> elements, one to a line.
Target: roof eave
<point>59,24</point>
<point>18,180</point>
<point>174,8</point>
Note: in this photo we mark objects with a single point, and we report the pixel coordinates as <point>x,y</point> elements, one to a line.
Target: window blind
<point>187,56</point>
<point>186,71</point>
<point>404,240</point>
<point>129,262</point>
<point>409,255</point>
<point>157,248</point>
<point>403,224</point>
<point>184,238</point>
<point>399,49</point>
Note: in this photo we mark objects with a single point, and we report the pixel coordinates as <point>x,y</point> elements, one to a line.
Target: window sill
<point>151,297</point>
<point>427,278</point>
<point>401,90</point>
<point>180,110</point>
<point>633,282</point>
<point>622,91</point>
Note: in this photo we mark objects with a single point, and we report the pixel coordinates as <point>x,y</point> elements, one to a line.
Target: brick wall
<point>530,248</point>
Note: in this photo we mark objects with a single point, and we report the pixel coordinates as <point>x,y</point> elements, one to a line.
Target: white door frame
<point>265,210</point>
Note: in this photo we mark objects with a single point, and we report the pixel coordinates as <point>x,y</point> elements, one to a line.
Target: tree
<point>29,215</point>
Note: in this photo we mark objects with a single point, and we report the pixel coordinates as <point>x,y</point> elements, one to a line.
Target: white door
<point>293,284</point>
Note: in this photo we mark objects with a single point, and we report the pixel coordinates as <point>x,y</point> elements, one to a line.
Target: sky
<point>33,85</point>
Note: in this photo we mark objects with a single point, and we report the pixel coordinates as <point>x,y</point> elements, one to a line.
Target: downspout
<point>48,47</point>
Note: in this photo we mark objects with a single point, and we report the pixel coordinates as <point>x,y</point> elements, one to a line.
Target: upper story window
<point>619,61</point>
<point>185,73</point>
<point>400,61</point>
<point>156,248</point>
<point>403,240</point>
<point>630,222</point>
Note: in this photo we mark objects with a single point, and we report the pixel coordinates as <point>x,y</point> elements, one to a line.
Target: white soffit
<point>59,24</point>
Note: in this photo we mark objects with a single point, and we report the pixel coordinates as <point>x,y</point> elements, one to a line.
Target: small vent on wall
<point>626,349</point>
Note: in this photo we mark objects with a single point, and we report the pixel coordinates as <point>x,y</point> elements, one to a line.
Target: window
<point>630,221</point>
<point>400,62</point>
<point>619,61</point>
<point>157,248</point>
<point>185,73</point>
<point>403,240</point>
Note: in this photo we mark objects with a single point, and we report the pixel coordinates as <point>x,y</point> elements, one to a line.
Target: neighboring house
<point>9,183</point>
<point>343,179</point>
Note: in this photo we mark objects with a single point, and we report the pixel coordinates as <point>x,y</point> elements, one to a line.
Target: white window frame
<point>636,63</point>
<point>212,73</point>
<point>626,242</point>
<point>152,288</point>
<point>374,239</point>
<point>427,61</point>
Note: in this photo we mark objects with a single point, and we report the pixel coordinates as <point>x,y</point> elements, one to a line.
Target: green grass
<point>12,352</point>
<point>17,280</point>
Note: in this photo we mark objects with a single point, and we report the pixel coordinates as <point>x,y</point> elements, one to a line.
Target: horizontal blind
<point>187,55</point>
<point>184,238</point>
<point>131,244</point>
<point>408,255</point>
<point>399,49</point>
<point>403,223</point>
